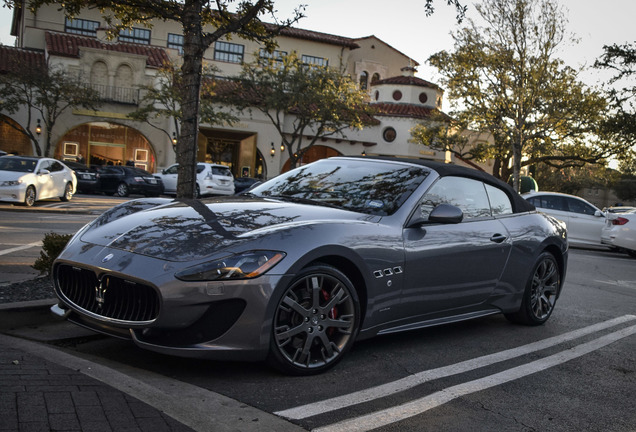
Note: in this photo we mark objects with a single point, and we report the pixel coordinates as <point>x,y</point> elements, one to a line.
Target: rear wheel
<point>29,196</point>
<point>68,192</point>
<point>315,322</point>
<point>122,190</point>
<point>197,191</point>
<point>541,292</point>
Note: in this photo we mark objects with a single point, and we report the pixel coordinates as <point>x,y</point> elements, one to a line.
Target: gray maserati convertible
<point>299,267</point>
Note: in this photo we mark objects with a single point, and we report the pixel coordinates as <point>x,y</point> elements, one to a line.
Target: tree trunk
<point>187,143</point>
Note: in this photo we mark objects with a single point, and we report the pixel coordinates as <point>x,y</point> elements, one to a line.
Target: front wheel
<point>315,321</point>
<point>542,290</point>
<point>68,192</point>
<point>29,196</point>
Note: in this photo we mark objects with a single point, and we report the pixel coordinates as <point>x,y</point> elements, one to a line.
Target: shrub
<point>52,246</point>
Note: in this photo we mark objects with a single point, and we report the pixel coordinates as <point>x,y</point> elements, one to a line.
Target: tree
<point>203,23</point>
<point>505,78</point>
<point>303,102</point>
<point>459,8</point>
<point>163,99</point>
<point>48,91</point>
<point>621,124</point>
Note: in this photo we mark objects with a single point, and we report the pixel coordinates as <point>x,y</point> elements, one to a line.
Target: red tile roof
<point>15,59</point>
<point>67,45</point>
<point>403,110</point>
<point>406,80</point>
<point>315,36</point>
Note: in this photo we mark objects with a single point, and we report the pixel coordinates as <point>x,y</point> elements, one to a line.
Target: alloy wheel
<point>545,287</point>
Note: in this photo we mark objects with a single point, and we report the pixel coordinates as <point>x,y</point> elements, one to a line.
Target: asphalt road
<point>577,372</point>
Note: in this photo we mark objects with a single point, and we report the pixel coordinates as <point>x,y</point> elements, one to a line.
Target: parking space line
<point>366,395</point>
<point>419,406</point>
<point>19,248</point>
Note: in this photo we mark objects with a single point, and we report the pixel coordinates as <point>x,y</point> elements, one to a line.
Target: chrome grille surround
<point>107,297</point>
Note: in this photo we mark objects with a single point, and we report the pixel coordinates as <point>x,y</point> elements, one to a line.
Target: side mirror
<point>599,213</point>
<point>443,213</point>
<point>44,172</point>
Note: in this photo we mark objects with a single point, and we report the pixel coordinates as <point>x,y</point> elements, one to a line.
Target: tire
<point>122,190</point>
<point>68,192</point>
<point>197,191</point>
<point>540,295</point>
<point>30,196</point>
<point>315,322</point>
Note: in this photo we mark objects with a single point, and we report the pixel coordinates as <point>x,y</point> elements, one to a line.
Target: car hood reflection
<point>184,230</point>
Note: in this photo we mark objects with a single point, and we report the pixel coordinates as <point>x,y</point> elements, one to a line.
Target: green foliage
<point>52,246</point>
<point>48,91</point>
<point>316,101</point>
<point>625,188</point>
<point>163,99</point>
<point>572,179</point>
<point>505,78</point>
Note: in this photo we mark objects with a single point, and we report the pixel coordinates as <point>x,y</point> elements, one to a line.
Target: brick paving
<point>38,395</point>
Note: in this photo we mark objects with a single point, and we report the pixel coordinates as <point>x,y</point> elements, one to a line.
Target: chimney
<point>408,71</point>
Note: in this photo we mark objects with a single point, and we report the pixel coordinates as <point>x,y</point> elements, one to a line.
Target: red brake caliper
<point>333,314</point>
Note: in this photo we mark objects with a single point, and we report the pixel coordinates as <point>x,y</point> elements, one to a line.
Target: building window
<point>135,35</point>
<point>397,95</point>
<point>81,27</point>
<point>228,52</point>
<point>364,80</point>
<point>389,134</point>
<point>314,61</point>
<point>275,57</point>
<point>375,78</point>
<point>423,97</point>
<point>175,41</point>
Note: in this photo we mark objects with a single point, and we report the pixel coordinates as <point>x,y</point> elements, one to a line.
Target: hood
<point>12,175</point>
<point>183,230</point>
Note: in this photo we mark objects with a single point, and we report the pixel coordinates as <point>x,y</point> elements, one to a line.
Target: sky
<point>404,25</point>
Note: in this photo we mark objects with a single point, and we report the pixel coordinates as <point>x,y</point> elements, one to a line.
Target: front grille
<point>109,296</point>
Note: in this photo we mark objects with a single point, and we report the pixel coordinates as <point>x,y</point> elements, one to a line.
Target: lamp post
<point>273,150</point>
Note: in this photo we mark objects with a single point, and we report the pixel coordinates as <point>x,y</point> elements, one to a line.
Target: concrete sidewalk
<point>45,388</point>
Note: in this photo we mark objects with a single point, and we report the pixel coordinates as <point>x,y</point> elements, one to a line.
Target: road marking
<point>620,283</point>
<point>411,381</point>
<point>19,248</point>
<point>419,406</point>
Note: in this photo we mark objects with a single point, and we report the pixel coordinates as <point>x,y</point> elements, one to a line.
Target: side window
<point>172,170</point>
<point>549,202</point>
<point>469,195</point>
<point>577,206</point>
<point>45,165</point>
<point>499,201</point>
<point>56,166</point>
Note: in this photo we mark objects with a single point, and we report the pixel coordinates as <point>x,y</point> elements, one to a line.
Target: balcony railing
<point>122,95</point>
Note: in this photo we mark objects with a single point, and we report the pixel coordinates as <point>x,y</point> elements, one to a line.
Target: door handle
<point>498,238</point>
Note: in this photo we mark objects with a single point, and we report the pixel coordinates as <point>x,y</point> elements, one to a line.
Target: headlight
<point>11,182</point>
<point>244,266</point>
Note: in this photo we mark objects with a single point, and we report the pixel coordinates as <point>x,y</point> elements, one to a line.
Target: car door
<point>58,178</point>
<point>454,266</point>
<point>169,178</point>
<point>44,179</point>
<point>585,221</point>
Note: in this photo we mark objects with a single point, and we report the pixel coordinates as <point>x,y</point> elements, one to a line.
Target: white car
<point>583,219</point>
<point>212,179</point>
<point>27,179</point>
<point>620,231</point>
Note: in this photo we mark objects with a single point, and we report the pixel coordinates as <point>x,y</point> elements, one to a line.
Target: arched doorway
<point>105,143</point>
<point>12,140</point>
<point>314,153</point>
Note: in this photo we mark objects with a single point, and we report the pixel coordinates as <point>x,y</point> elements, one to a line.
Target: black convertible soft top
<point>519,205</point>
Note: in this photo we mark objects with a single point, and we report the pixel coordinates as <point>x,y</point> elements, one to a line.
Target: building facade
<point>117,68</point>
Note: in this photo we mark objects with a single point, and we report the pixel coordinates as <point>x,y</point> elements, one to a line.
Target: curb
<point>28,305</point>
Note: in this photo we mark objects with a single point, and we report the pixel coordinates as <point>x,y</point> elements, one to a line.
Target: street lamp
<point>174,138</point>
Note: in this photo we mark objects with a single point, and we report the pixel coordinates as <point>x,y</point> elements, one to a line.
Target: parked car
<point>87,178</point>
<point>619,231</point>
<point>618,209</point>
<point>243,183</point>
<point>212,179</point>
<point>27,179</point>
<point>126,180</point>
<point>583,219</point>
<point>304,264</point>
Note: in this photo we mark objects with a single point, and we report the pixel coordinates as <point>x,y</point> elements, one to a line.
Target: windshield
<point>372,187</point>
<point>12,163</point>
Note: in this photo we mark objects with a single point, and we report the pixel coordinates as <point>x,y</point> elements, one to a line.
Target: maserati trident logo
<point>100,291</point>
